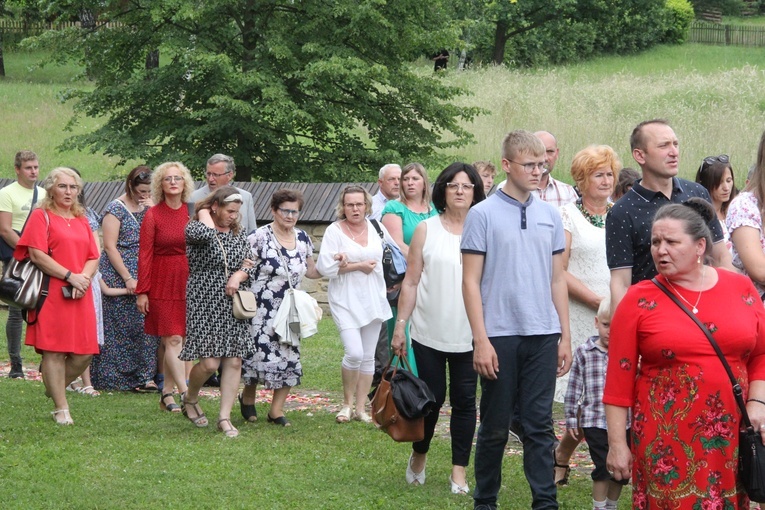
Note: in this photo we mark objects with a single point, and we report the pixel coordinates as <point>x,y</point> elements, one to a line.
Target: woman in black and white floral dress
<point>219,262</point>
<point>275,365</point>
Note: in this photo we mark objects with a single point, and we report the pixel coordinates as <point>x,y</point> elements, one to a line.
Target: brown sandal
<point>563,481</point>
<point>231,431</point>
<point>200,420</point>
<point>172,406</point>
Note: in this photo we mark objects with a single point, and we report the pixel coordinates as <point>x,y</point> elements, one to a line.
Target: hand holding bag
<point>751,451</point>
<point>403,423</point>
<point>244,302</point>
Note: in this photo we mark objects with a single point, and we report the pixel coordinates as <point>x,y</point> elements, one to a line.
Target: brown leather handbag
<point>387,417</point>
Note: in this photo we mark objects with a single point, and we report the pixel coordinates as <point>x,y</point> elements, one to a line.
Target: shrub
<point>678,15</point>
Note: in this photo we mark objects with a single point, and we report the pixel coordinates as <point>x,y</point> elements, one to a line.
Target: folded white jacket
<point>309,312</point>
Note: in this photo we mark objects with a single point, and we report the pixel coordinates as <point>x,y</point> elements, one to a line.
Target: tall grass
<point>712,96</point>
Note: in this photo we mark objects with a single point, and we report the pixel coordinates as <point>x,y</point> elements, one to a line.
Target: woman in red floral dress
<point>163,271</point>
<point>661,365</point>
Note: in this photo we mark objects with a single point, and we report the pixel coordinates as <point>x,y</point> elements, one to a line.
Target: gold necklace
<point>350,232</point>
<point>695,309</point>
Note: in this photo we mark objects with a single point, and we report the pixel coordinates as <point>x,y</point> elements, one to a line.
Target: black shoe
<point>249,412</point>
<point>17,371</point>
<point>213,381</point>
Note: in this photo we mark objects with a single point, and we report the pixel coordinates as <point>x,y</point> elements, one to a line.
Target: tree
<point>293,89</point>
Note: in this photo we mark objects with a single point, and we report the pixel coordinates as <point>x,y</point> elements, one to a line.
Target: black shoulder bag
<point>393,264</point>
<point>751,451</point>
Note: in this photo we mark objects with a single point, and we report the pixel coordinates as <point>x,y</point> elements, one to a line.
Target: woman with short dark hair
<point>431,299</point>
<point>283,255</point>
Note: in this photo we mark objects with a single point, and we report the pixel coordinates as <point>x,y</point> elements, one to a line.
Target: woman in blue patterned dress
<point>128,357</point>
<point>274,365</point>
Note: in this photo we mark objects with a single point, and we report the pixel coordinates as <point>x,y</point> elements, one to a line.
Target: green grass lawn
<point>123,452</point>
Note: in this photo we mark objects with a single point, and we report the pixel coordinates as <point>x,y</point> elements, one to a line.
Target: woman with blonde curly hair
<point>595,170</point>
<point>58,239</point>
<point>163,270</point>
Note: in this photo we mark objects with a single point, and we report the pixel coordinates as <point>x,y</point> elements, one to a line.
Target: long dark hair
<point>446,176</point>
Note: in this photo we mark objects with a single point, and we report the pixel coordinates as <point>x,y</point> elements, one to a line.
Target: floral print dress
<point>274,365</point>
<point>685,419</point>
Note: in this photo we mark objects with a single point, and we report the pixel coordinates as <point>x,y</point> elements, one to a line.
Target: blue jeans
<point>13,333</point>
<point>526,377</point>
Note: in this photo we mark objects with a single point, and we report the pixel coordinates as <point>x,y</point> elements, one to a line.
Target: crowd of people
<point>535,289</point>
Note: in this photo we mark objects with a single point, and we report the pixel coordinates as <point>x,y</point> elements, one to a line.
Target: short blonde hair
<point>340,207</point>
<point>604,310</point>
<point>159,173</point>
<point>522,142</point>
<point>590,159</point>
<point>51,181</point>
<point>486,166</point>
<point>416,167</point>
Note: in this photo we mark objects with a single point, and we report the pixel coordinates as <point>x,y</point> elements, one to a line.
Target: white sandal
<point>65,419</point>
<point>88,390</point>
<point>344,416</point>
<point>413,478</point>
<point>363,417</point>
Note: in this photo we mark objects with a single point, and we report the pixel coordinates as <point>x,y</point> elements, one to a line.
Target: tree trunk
<point>152,62</point>
<point>500,40</point>
<point>249,45</point>
<point>87,24</point>
<point>2,58</point>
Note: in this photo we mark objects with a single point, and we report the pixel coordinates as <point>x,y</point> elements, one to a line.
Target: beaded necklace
<point>597,220</point>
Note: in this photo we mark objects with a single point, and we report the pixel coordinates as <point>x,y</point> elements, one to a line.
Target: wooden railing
<point>718,33</point>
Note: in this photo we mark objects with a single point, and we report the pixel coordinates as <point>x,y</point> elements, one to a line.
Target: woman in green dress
<point>400,218</point>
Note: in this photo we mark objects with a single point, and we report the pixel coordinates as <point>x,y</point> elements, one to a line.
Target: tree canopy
<point>292,89</point>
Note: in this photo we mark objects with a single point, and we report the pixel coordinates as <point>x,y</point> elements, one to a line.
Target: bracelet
<point>401,320</point>
<point>68,274</point>
<point>129,278</point>
<point>755,400</point>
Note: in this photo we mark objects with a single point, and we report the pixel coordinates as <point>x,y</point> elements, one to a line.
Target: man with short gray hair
<point>220,172</point>
<point>388,180</point>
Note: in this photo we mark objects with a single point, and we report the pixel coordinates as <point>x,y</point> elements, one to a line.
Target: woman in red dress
<point>58,239</point>
<point>163,270</point>
<point>685,419</point>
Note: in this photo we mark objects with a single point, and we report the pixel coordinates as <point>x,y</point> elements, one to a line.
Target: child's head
<point>488,172</point>
<point>603,321</point>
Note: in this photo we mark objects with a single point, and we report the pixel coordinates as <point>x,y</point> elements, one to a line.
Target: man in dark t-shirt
<point>655,148</point>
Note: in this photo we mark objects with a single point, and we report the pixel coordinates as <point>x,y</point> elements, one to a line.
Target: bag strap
<point>282,261</point>
<point>124,206</point>
<point>32,208</point>
<point>737,391</point>
<point>222,249</point>
<point>379,230</point>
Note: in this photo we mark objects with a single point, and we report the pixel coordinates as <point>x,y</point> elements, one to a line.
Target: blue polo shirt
<point>518,241</point>
<point>628,226</point>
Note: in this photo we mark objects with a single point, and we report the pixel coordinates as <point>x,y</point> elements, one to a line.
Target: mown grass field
<point>123,452</point>
<point>712,95</point>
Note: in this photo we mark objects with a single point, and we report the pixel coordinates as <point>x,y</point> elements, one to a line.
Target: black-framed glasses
<point>288,212</point>
<point>213,174</point>
<point>711,160</point>
<point>529,167</point>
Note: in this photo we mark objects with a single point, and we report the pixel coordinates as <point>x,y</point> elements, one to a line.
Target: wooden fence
<point>717,33</point>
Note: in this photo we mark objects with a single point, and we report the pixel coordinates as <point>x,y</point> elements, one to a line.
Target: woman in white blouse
<point>351,257</point>
<point>431,299</point>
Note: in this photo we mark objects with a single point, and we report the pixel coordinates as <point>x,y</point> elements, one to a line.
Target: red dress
<point>163,269</point>
<point>685,419</point>
<point>63,325</point>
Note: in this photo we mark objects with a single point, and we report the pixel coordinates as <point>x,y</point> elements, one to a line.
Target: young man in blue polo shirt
<point>517,304</point>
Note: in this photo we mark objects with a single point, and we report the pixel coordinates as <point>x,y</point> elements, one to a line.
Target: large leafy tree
<point>293,89</point>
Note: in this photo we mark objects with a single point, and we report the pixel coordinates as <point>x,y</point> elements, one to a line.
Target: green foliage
<point>294,90</point>
<point>678,16</point>
<point>730,7</point>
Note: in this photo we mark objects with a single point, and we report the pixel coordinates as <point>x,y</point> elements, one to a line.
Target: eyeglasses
<point>64,187</point>
<point>173,178</point>
<point>289,212</point>
<point>213,174</point>
<point>454,186</point>
<point>529,167</point>
<point>355,206</point>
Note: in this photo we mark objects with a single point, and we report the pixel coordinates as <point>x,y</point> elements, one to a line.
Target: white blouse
<point>439,320</point>
<point>355,298</point>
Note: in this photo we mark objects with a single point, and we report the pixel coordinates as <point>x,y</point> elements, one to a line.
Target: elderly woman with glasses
<point>128,359</point>
<point>351,257</point>
<point>163,270</point>
<point>283,255</point>
<point>716,175</point>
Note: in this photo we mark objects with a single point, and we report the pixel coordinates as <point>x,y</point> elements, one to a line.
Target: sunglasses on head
<point>711,160</point>
<point>142,177</point>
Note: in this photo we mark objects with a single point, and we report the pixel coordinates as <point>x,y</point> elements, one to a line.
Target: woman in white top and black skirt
<point>431,299</point>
